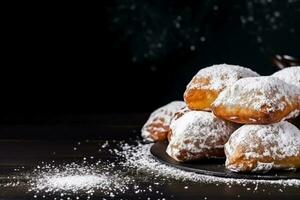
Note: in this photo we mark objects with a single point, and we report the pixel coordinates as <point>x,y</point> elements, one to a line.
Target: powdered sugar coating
<point>259,92</point>
<point>290,75</point>
<point>160,119</point>
<point>196,132</point>
<point>179,113</point>
<point>270,143</point>
<point>220,76</point>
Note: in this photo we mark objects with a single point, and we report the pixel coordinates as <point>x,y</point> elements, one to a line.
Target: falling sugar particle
<point>250,18</point>
<point>134,59</point>
<point>277,14</point>
<point>153,68</point>
<point>259,39</point>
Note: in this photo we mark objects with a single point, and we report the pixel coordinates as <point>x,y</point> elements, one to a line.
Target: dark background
<point>130,56</point>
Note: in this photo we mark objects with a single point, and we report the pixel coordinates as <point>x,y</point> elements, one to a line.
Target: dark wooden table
<point>25,146</point>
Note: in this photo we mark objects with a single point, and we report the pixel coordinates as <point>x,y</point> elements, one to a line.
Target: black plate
<point>215,167</point>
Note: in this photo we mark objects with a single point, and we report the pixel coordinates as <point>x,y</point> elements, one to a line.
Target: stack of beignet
<point>232,111</point>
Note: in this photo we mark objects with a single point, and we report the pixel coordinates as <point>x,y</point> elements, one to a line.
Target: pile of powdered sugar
<point>220,76</point>
<point>74,178</point>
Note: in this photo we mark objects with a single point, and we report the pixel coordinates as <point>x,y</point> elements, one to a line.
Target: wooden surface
<point>26,154</point>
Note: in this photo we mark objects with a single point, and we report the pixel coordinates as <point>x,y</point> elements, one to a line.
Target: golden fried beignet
<point>254,148</point>
<point>158,125</point>
<point>206,85</point>
<point>257,100</point>
<point>197,135</point>
<point>290,75</point>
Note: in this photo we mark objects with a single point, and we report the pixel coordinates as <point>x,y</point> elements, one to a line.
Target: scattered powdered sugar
<point>290,75</point>
<point>197,132</point>
<point>258,92</point>
<point>219,76</point>
<point>133,171</point>
<point>76,178</point>
<point>272,142</point>
<point>141,159</point>
<point>160,119</point>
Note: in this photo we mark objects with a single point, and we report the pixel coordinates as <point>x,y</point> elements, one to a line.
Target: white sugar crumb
<point>162,115</point>
<point>258,92</point>
<point>198,131</point>
<point>263,167</point>
<point>220,76</point>
<point>105,144</point>
<point>290,75</point>
<point>279,141</point>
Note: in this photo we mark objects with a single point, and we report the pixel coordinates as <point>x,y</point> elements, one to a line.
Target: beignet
<point>257,100</point>
<point>290,75</point>
<point>197,135</point>
<point>206,85</point>
<point>158,125</point>
<point>254,148</point>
